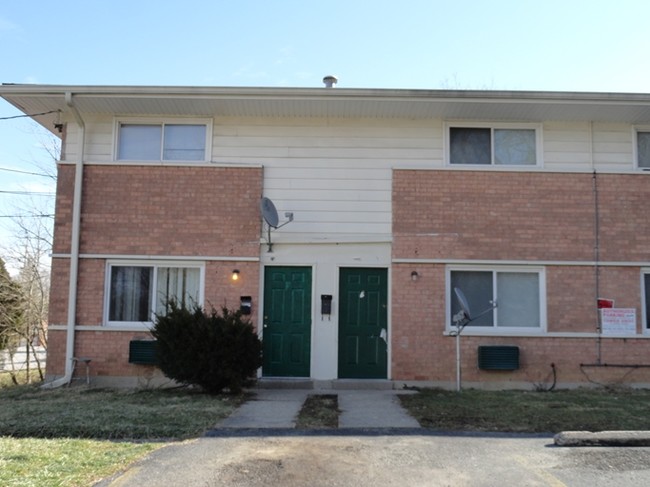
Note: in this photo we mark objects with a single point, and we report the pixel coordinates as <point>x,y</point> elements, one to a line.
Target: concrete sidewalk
<point>279,408</point>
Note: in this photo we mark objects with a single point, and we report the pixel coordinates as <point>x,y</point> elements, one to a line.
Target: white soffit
<point>332,103</point>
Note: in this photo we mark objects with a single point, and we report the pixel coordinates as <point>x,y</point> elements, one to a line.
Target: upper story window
<point>166,141</point>
<point>498,145</point>
<point>518,294</point>
<point>643,148</point>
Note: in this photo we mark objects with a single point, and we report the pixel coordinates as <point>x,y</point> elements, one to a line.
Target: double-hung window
<point>503,299</point>
<point>136,293</point>
<point>493,145</point>
<point>642,148</point>
<point>167,141</point>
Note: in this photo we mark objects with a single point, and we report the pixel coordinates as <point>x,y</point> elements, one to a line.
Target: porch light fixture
<point>415,276</point>
<point>235,274</point>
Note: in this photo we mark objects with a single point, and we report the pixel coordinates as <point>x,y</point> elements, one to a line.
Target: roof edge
<point>10,89</point>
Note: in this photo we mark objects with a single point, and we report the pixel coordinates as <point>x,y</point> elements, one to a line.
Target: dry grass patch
<point>319,411</point>
<point>79,412</point>
<point>533,412</point>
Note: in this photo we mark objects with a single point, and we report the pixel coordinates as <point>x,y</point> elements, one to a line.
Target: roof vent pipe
<point>330,81</point>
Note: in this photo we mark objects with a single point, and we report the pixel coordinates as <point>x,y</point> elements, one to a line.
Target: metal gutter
<point>315,93</point>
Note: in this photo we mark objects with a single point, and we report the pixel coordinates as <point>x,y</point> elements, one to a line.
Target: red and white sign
<point>605,303</point>
<point>618,321</point>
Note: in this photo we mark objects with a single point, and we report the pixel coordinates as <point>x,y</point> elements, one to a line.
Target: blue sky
<point>570,45</point>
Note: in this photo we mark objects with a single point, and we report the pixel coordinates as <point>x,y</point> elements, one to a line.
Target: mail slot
<point>246,305</point>
<point>326,304</point>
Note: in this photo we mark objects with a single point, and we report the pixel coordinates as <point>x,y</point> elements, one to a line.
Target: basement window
<point>493,145</point>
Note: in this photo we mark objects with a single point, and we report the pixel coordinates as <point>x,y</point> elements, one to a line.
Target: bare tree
<point>31,227</point>
<point>11,313</point>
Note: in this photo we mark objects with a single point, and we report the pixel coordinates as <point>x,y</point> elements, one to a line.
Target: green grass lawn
<point>76,436</point>
<point>531,412</point>
<point>66,462</point>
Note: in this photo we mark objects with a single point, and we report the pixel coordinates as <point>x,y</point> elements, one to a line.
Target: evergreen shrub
<point>214,351</point>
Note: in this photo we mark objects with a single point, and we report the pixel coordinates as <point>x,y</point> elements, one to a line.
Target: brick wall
<point>519,216</point>
<point>158,210</point>
<point>421,351</point>
<point>152,211</point>
<point>510,216</point>
<point>63,208</point>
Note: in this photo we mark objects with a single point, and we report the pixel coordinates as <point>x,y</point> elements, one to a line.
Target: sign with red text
<point>618,321</point>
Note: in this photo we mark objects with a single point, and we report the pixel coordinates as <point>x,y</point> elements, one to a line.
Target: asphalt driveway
<point>377,444</point>
<point>374,458</point>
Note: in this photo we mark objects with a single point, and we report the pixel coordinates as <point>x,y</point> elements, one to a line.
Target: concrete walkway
<point>279,408</point>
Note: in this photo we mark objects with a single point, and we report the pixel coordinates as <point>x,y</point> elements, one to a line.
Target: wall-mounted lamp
<point>415,276</point>
<point>235,275</point>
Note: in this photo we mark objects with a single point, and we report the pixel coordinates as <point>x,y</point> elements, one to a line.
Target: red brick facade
<point>548,219</point>
<point>210,213</point>
<point>559,222</point>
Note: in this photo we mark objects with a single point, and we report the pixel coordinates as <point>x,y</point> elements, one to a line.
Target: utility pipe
<point>599,329</point>
<point>74,248</point>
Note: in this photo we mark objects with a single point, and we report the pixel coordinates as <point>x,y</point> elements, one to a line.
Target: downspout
<point>596,241</point>
<point>74,249</point>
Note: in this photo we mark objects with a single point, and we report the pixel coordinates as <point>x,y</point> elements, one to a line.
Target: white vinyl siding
<point>568,146</point>
<point>334,175</point>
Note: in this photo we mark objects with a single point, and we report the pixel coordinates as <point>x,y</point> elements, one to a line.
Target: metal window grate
<point>142,352</point>
<point>501,357</point>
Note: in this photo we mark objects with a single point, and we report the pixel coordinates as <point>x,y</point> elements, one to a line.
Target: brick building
<point>530,203</point>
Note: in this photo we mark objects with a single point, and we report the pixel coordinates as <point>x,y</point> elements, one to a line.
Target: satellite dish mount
<point>461,320</point>
<point>272,220</point>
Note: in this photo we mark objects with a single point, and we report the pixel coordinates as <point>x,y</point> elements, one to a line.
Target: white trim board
<point>571,263</point>
<point>177,258</point>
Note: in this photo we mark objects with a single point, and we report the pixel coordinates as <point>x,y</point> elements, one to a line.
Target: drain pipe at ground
<point>74,250</point>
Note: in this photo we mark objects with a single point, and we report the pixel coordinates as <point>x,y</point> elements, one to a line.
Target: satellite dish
<point>269,213</point>
<point>464,305</point>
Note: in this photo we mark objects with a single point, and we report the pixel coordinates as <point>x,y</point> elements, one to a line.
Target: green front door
<point>287,321</point>
<point>363,323</point>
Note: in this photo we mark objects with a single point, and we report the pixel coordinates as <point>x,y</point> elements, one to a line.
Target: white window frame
<point>162,122</point>
<point>635,149</point>
<point>537,127</point>
<point>645,330</point>
<point>496,330</point>
<point>155,264</point>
